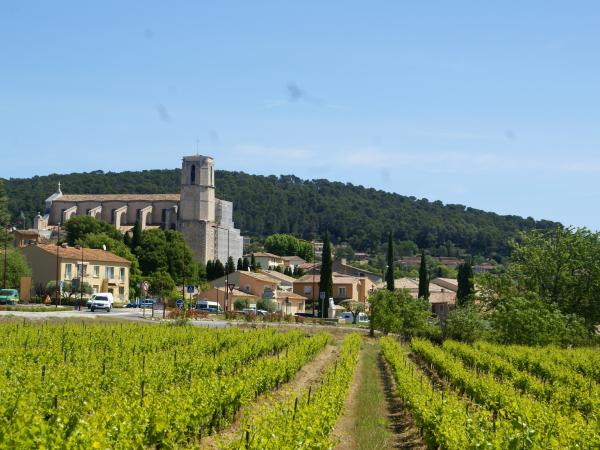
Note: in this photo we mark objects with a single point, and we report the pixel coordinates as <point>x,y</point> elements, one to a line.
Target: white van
<point>101,300</point>
<point>348,317</point>
<point>207,305</point>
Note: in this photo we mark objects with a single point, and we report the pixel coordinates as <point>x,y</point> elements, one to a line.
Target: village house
<point>293,261</point>
<point>442,293</point>
<point>267,260</point>
<point>286,283</point>
<point>102,270</point>
<point>342,267</point>
<point>344,287</point>
<point>218,294</point>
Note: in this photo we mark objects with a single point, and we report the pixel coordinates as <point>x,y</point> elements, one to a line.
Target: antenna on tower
<point>197,146</point>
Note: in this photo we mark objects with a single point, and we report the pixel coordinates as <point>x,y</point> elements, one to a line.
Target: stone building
<point>205,221</point>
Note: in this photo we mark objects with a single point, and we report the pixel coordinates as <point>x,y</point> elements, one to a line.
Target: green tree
<point>288,245</point>
<point>253,263</point>
<point>4,214</point>
<point>397,312</point>
<point>245,264</point>
<point>326,276</point>
<point>77,227</point>
<point>354,306</point>
<point>136,236</point>
<point>70,289</point>
<point>389,274</point>
<point>266,304</point>
<point>218,269</point>
<point>127,239</point>
<point>463,324</point>
<point>230,265</point>
<point>466,284</point>
<point>241,303</point>
<point>240,264</point>
<point>161,284</point>
<point>524,321</point>
<point>423,278</point>
<point>561,268</point>
<point>16,267</point>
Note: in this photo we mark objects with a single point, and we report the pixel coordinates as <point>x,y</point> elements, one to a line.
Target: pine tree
<point>253,263</point>
<point>136,238</point>
<point>389,275</point>
<point>466,287</point>
<point>230,266</point>
<point>246,264</point>
<point>423,278</point>
<point>240,264</point>
<point>326,278</point>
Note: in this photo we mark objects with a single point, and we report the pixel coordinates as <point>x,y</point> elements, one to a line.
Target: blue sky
<point>492,106</point>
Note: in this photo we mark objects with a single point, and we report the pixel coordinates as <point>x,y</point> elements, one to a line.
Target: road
<point>132,314</point>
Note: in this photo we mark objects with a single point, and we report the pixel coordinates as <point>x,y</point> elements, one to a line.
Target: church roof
<point>119,198</point>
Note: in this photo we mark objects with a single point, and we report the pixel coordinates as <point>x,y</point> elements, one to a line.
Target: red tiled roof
<point>89,254</point>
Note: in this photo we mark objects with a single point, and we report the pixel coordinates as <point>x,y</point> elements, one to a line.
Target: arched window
<point>193,175</point>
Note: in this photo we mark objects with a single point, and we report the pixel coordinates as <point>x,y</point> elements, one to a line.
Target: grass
<point>34,308</point>
<point>372,429</point>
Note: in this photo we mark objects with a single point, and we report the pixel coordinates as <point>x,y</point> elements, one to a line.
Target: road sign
<point>190,288</point>
<point>179,303</point>
<point>145,286</point>
<point>231,286</point>
<point>61,285</point>
<point>322,295</point>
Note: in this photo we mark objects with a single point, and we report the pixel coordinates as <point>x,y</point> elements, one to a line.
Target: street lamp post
<point>226,301</point>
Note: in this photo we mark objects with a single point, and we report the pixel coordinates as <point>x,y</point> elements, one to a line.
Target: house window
<point>96,271</point>
<point>122,274</point>
<point>68,272</point>
<point>121,292</point>
<point>307,290</point>
<point>342,292</point>
<point>80,272</point>
<point>109,272</point>
<point>193,175</point>
<point>301,307</point>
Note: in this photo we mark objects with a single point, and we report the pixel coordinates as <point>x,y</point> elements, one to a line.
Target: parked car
<point>348,317</point>
<point>9,296</point>
<point>102,301</point>
<point>101,294</point>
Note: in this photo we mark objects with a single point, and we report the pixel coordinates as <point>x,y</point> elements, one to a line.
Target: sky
<point>493,106</point>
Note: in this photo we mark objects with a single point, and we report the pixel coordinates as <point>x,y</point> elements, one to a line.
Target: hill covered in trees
<point>264,205</point>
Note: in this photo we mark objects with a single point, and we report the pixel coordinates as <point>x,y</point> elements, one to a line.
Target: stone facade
<point>205,221</point>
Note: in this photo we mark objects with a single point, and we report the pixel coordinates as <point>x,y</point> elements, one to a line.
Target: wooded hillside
<point>286,204</point>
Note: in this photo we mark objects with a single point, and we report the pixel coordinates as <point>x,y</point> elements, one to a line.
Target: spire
<point>59,191</point>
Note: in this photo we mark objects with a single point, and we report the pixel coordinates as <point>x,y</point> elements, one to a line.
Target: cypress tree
<point>253,263</point>
<point>127,239</point>
<point>210,271</point>
<point>136,238</point>
<point>245,264</point>
<point>230,266</point>
<point>466,286</point>
<point>423,278</point>
<point>219,269</point>
<point>4,214</point>
<point>389,275</point>
<point>240,264</point>
<point>326,278</point>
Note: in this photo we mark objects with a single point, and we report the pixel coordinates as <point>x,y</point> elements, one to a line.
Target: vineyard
<point>78,385</point>
<point>500,397</point>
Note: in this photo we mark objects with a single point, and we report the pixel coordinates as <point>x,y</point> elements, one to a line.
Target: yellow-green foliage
<point>305,421</point>
<point>135,386</point>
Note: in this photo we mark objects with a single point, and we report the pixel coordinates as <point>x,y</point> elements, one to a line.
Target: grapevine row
<point>305,421</point>
<point>544,422</point>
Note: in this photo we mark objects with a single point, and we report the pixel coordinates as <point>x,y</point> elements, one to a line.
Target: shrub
<point>240,304</point>
<point>463,324</point>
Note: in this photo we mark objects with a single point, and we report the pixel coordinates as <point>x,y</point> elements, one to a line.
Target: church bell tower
<point>197,205</point>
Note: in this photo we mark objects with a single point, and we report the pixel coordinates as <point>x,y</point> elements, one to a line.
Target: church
<point>205,221</point>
